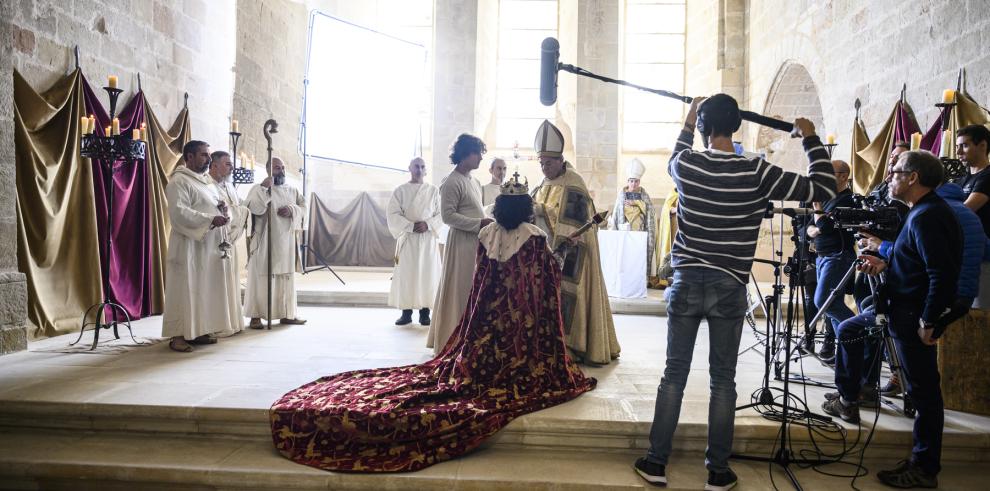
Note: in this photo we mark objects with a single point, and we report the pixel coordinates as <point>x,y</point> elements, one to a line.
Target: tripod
<point>783,457</point>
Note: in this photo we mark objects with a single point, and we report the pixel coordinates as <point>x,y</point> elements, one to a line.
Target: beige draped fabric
<point>57,240</point>
<point>966,112</point>
<point>873,158</point>
<point>164,155</point>
<point>860,140</point>
<point>355,236</point>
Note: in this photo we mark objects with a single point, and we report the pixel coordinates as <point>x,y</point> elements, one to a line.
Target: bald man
<point>413,216</point>
<point>491,190</point>
<point>288,209</point>
<point>836,254</point>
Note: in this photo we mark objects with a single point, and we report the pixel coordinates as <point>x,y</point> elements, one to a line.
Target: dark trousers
<point>923,386</point>
<point>857,356</point>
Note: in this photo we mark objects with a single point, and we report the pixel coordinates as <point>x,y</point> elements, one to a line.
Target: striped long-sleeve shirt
<point>723,198</point>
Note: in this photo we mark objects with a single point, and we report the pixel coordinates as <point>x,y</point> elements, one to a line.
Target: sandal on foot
<point>297,322</point>
<point>184,347</point>
<point>205,339</point>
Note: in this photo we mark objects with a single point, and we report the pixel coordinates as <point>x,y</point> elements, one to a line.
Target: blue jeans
<point>830,270</point>
<point>857,357</point>
<point>696,294</point>
<point>923,384</point>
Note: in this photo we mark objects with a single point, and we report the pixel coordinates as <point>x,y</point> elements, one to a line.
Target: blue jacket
<point>923,272</point>
<point>975,242</point>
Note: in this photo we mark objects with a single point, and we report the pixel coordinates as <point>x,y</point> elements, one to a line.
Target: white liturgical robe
<point>197,294</point>
<point>460,208</point>
<point>283,252</point>
<point>239,217</point>
<point>417,255</point>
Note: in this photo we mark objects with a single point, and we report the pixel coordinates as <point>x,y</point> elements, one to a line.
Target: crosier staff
<point>271,126</point>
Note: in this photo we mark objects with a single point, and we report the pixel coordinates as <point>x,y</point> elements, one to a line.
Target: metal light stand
<point>107,150</point>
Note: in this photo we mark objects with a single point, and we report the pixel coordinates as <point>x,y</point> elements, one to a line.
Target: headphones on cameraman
<point>719,107</point>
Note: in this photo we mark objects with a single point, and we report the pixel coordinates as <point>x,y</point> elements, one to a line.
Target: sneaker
<point>908,475</point>
<point>828,349</point>
<point>893,386</point>
<point>653,473</point>
<point>835,407</point>
<point>721,481</point>
<point>868,398</point>
<point>405,319</point>
<point>424,317</point>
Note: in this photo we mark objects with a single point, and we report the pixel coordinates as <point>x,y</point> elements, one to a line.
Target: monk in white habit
<point>197,294</point>
<point>461,210</point>
<point>634,211</point>
<point>288,209</point>
<point>562,204</point>
<point>413,216</point>
<point>491,190</point>
<point>221,169</point>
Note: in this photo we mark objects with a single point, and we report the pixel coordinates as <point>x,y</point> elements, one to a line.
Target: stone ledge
<point>12,339</point>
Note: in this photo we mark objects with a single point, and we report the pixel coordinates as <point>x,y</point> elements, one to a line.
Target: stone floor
<point>586,443</point>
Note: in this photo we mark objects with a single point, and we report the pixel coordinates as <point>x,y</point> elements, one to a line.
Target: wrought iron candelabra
<point>240,175</point>
<point>954,168</point>
<point>107,150</point>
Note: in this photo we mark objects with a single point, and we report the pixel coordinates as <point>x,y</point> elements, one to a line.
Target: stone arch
<point>793,94</point>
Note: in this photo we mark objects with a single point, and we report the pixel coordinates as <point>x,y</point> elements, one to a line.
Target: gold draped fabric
<point>57,246</point>
<point>860,140</point>
<point>57,234</point>
<point>164,155</point>
<point>966,112</point>
<point>871,171</point>
<point>667,230</point>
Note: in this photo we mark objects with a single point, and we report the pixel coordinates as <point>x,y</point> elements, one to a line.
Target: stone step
<point>551,429</point>
<point>97,461</point>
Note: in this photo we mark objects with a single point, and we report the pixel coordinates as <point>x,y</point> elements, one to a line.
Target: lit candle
<point>830,139</point>
<point>92,124</point>
<point>115,126</point>
<point>946,144</point>
<point>916,141</point>
<point>144,133</point>
<point>112,82</point>
<point>233,126</point>
<point>84,125</point>
<point>106,131</point>
<point>948,96</point>
<point>136,134</point>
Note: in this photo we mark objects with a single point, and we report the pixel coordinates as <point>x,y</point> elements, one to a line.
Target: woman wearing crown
<point>507,357</point>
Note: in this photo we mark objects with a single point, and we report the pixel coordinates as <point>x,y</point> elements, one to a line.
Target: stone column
<point>455,40</point>
<point>597,126</point>
<point>13,286</point>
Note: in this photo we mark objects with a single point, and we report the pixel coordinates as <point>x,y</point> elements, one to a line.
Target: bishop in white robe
<point>197,293</point>
<point>413,216</point>
<point>288,209</point>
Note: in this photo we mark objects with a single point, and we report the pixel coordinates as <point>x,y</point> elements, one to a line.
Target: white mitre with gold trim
<point>635,169</point>
<point>549,141</point>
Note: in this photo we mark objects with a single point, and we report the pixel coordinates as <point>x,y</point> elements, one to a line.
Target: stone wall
<point>868,50</point>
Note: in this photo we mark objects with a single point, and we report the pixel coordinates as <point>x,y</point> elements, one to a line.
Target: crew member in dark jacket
<point>921,286</point>
<point>836,254</point>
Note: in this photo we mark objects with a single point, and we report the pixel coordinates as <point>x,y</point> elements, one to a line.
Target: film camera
<point>874,215</point>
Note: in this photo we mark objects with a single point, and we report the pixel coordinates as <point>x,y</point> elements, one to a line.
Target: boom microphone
<point>549,56</point>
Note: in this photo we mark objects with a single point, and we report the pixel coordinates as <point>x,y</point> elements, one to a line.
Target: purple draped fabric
<point>130,259</point>
<point>906,124</point>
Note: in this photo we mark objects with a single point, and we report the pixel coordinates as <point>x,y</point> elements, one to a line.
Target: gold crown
<point>513,187</point>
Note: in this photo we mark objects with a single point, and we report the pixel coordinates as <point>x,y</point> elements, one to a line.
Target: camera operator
<point>836,254</point>
<point>922,275</point>
<point>857,367</point>
<point>722,200</point>
<point>972,147</point>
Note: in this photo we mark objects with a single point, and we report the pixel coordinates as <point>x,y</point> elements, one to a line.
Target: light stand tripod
<point>783,457</point>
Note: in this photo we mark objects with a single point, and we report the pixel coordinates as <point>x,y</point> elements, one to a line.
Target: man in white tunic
<point>288,209</point>
<point>221,168</point>
<point>491,190</point>
<point>414,219</point>
<point>460,208</point>
<point>196,291</point>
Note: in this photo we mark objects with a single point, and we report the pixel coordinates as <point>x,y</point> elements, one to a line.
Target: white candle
<point>112,82</point>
